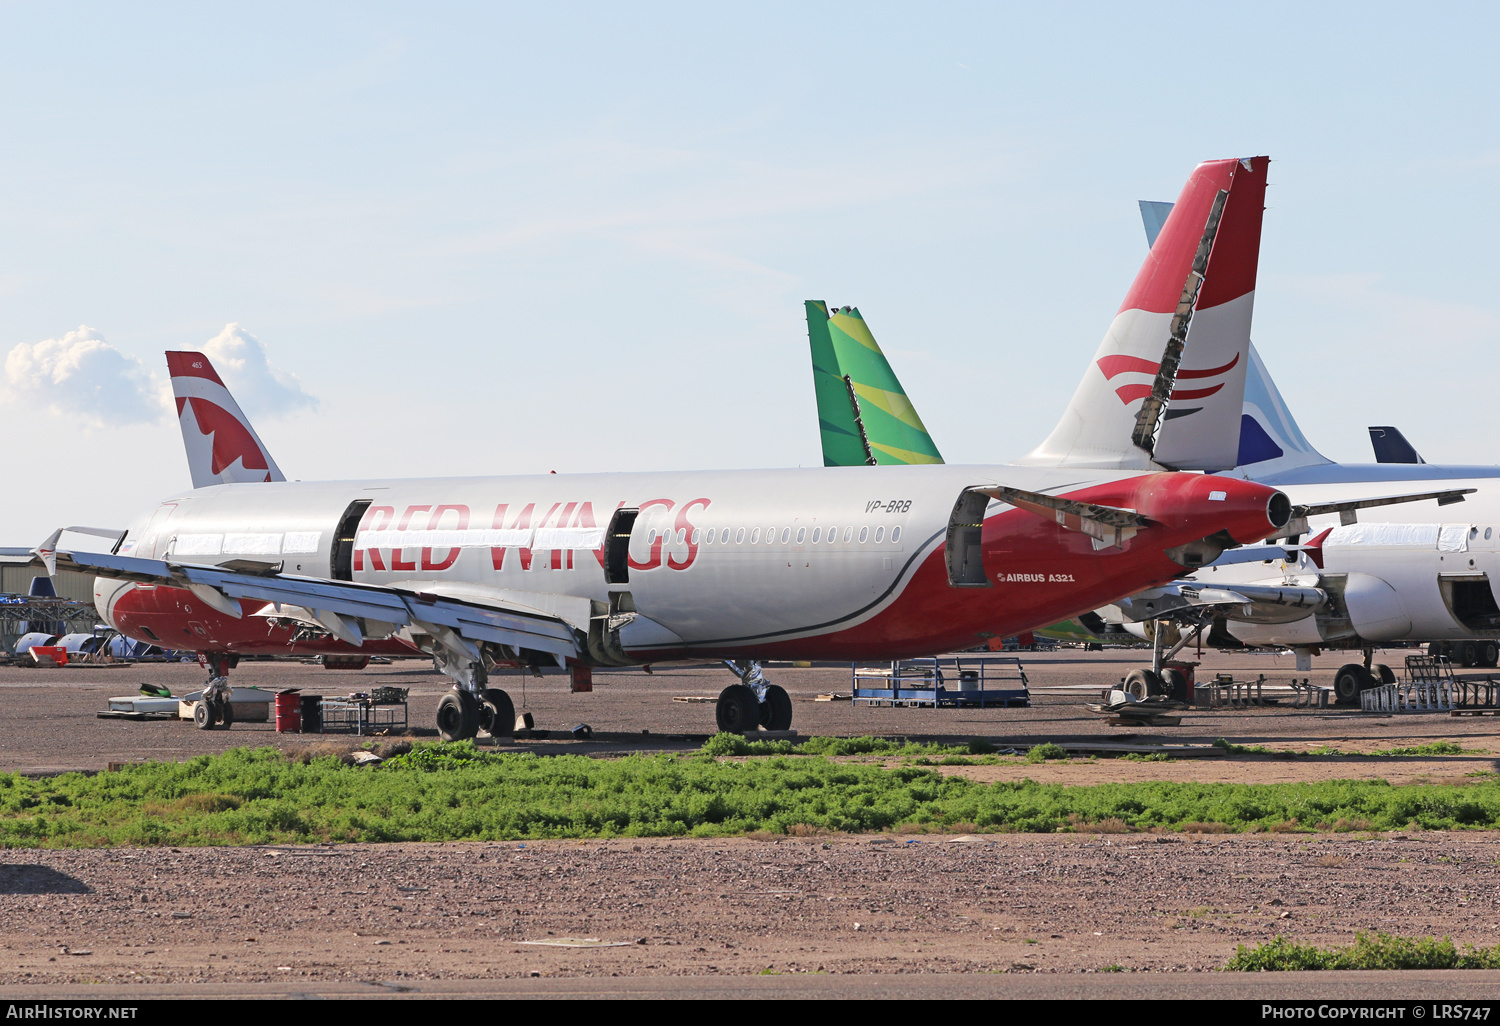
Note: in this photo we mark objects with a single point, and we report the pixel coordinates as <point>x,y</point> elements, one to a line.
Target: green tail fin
<point>863,412</point>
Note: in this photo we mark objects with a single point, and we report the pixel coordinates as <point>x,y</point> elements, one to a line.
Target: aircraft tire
<point>457,716</point>
<point>738,709</point>
<point>203,717</point>
<point>226,715</point>
<point>1384,674</point>
<point>497,713</point>
<point>1175,684</point>
<point>776,711</point>
<point>1351,679</point>
<point>1489,653</point>
<point>1141,684</point>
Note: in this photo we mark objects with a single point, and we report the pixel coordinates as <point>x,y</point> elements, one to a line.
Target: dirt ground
<point>839,904</point>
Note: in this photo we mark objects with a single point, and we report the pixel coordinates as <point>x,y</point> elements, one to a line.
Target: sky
<point>436,239</point>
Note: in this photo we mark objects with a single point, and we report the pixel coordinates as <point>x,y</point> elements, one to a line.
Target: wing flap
<point>336,605</point>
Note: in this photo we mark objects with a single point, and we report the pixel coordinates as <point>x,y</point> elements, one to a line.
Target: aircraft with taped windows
<point>596,570</point>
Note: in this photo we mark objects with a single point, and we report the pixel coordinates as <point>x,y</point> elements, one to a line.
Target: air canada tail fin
<point>222,447</point>
<point>864,416</point>
<point>1147,376</point>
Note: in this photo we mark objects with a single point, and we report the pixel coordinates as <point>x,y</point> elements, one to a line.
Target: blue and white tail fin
<point>1270,440</point>
<point>1391,446</point>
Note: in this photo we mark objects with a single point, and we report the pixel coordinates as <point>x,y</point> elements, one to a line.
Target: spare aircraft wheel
<point>458,716</point>
<point>1174,684</point>
<point>776,711</point>
<point>1384,674</point>
<point>738,710</point>
<point>497,713</point>
<point>1143,684</point>
<point>1351,679</point>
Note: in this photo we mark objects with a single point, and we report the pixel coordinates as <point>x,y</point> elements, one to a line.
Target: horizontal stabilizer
<point>1347,510</point>
<point>1107,525</point>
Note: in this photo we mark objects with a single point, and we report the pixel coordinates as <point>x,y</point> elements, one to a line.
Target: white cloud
<point>83,377</point>
<point>241,361</point>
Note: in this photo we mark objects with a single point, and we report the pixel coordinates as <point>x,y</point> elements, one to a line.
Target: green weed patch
<point>1380,951</point>
<point>458,792</point>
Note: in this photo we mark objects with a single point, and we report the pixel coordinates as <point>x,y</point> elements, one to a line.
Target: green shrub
<point>1380,951</point>
<point>1041,753</point>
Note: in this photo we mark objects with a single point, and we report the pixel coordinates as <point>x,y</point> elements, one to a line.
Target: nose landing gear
<point>214,708</point>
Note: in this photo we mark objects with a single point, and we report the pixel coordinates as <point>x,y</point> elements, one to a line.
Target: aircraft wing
<point>1198,598</point>
<point>350,611</point>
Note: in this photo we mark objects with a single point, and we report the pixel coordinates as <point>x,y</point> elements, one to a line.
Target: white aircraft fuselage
<point>812,563</point>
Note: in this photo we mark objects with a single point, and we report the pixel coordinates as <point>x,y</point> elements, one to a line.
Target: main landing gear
<point>753,702</point>
<point>471,706</point>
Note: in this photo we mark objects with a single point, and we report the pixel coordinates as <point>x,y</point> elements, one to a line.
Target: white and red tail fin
<point>1141,371</point>
<point>222,447</point>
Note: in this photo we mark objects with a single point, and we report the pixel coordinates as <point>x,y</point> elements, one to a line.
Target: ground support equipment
<point>943,682</point>
<point>365,714</point>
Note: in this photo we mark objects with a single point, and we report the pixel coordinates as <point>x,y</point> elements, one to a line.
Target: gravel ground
<point>891,904</point>
<point>1009,903</point>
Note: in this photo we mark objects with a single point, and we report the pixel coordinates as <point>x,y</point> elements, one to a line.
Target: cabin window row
<point>755,536</point>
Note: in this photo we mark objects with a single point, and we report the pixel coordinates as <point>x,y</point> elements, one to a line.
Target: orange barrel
<point>288,712</point>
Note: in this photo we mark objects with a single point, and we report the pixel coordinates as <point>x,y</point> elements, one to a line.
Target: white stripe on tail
<point>1096,429</point>
<point>222,447</point>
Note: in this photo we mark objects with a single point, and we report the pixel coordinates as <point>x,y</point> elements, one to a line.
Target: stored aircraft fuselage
<point>830,563</point>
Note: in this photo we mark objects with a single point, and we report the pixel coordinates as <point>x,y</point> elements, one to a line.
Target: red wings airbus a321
<point>616,569</point>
